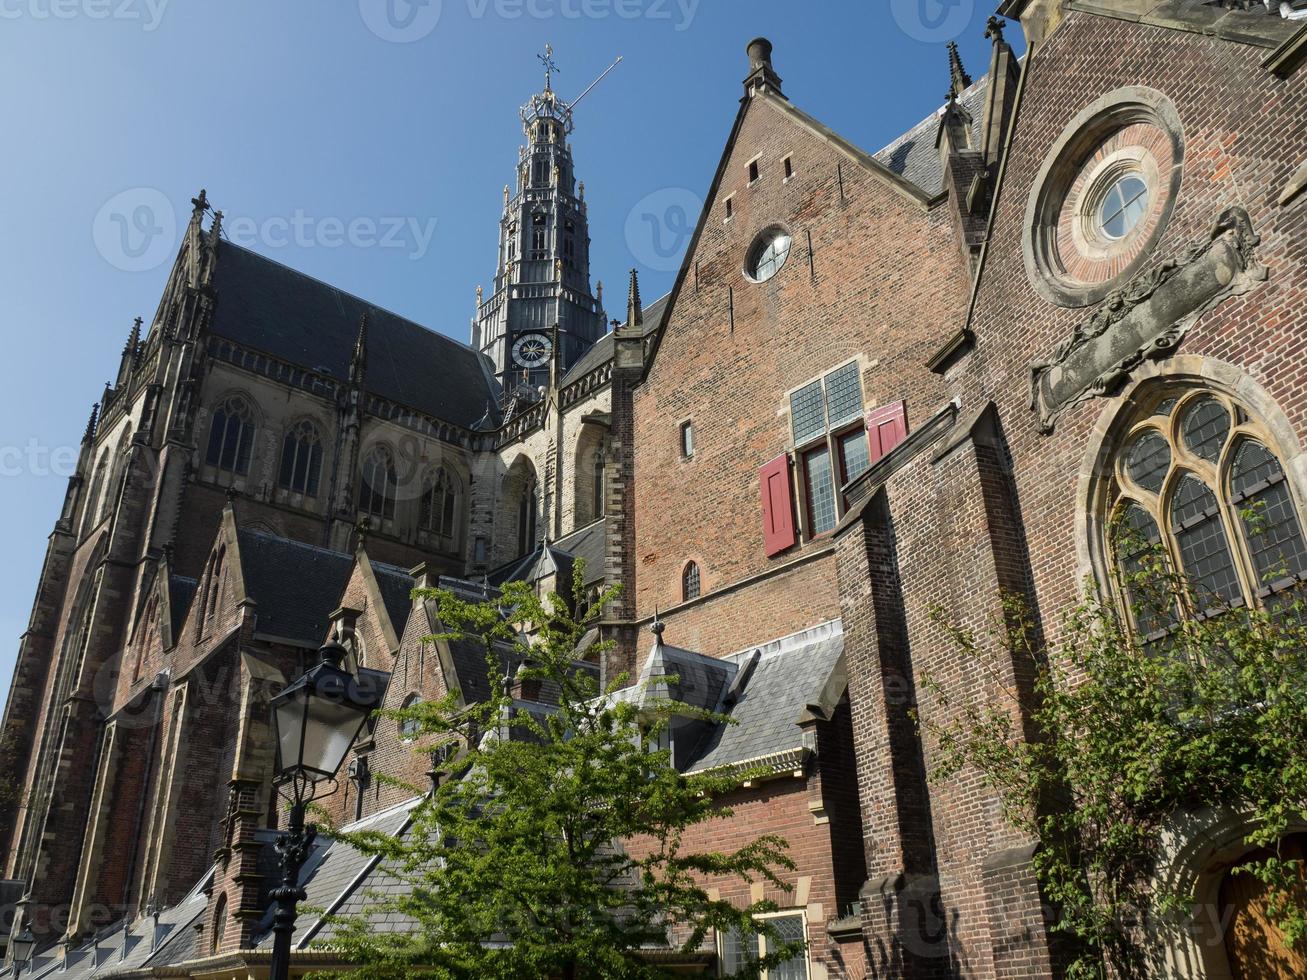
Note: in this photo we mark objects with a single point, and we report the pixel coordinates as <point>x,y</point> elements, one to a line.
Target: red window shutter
<point>778,530</point>
<point>887,426</point>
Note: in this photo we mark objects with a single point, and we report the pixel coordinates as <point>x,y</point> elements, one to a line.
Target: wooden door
<point>1253,944</point>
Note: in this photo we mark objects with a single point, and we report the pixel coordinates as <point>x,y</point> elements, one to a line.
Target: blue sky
<point>367,142</point>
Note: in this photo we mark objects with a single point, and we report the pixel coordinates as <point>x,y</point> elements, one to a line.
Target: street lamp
<point>21,946</point>
<point>315,721</point>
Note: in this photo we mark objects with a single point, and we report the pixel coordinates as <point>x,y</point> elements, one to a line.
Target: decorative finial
<point>580,188</point>
<point>634,308</point>
<point>358,364</point>
<point>133,338</point>
<point>994,29</point>
<point>232,494</point>
<point>958,76</point>
<point>215,230</point>
<point>657,627</point>
<point>200,204</point>
<point>506,195</point>
<point>92,423</point>
<point>599,293</point>
<point>551,66</point>
<point>363,527</point>
<point>480,293</point>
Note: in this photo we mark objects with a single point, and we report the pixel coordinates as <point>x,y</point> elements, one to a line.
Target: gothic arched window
<point>410,727</point>
<point>219,924</point>
<point>380,483</point>
<point>598,486</point>
<point>301,459</point>
<point>528,511</point>
<point>439,503</point>
<point>690,582</point>
<point>1197,490</point>
<point>92,514</point>
<point>231,436</point>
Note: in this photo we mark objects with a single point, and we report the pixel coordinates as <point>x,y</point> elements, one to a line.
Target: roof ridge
<point>354,296</point>
<point>292,541</point>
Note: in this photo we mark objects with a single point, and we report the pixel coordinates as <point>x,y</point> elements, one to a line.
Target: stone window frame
<point>407,729</point>
<point>368,495</point>
<point>685,438</point>
<point>1186,373</point>
<point>1088,130</point>
<point>237,409</point>
<point>450,497</point>
<point>299,432</point>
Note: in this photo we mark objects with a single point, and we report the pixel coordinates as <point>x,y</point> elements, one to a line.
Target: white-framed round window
<point>768,254</point>
<point>1124,205</point>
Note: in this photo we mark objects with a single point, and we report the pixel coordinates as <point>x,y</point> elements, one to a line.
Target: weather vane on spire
<point>551,66</point>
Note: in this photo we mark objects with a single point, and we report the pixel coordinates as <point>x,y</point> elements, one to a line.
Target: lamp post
<point>315,721</point>
<point>21,946</point>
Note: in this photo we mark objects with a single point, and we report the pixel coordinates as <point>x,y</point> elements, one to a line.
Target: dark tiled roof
<point>588,544</point>
<point>181,591</point>
<point>295,585</point>
<point>602,351</point>
<point>270,307</point>
<point>396,592</point>
<point>913,155</point>
<point>790,674</point>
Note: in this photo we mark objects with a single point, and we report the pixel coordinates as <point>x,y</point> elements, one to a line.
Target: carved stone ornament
<point>1147,318</point>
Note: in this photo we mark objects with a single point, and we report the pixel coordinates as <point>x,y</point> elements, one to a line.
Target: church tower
<point>541,306</point>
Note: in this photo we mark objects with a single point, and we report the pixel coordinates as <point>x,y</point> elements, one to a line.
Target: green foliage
<point>555,843</point>
<point>1206,708</point>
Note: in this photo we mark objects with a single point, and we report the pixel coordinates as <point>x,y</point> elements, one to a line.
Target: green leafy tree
<point>1186,703</point>
<point>555,844</point>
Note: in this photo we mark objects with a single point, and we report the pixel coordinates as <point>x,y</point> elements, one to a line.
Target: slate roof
<point>396,586</point>
<point>586,543</point>
<point>790,674</point>
<point>269,307</point>
<point>602,351</point>
<point>296,586</point>
<point>913,155</point>
<point>337,879</point>
<point>132,944</point>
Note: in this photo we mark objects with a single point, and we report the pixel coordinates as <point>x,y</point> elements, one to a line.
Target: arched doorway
<point>1254,946</point>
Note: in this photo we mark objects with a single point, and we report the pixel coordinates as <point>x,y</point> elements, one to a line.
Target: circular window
<point>1125,204</point>
<point>768,254</point>
<point>1104,197</point>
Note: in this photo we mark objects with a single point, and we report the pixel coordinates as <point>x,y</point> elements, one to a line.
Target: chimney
<point>762,76</point>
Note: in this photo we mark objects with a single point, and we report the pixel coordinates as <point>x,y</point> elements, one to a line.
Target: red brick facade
<point>138,717</point>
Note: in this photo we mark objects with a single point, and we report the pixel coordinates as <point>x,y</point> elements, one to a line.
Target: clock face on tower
<point>532,350</point>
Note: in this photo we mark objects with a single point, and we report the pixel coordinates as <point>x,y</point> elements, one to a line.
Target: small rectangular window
<point>753,171</point>
<point>730,208</point>
<point>687,439</point>
<point>789,167</point>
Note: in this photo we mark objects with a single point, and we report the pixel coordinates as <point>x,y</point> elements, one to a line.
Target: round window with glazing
<point>768,254</point>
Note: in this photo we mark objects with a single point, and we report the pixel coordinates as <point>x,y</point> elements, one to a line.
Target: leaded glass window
<point>439,503</point>
<point>301,460</point>
<point>821,490</point>
<point>1197,487</point>
<point>739,949</point>
<point>231,436</point>
<point>826,421</point>
<point>1203,544</point>
<point>379,485</point>
<point>690,584</point>
<point>1271,528</point>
